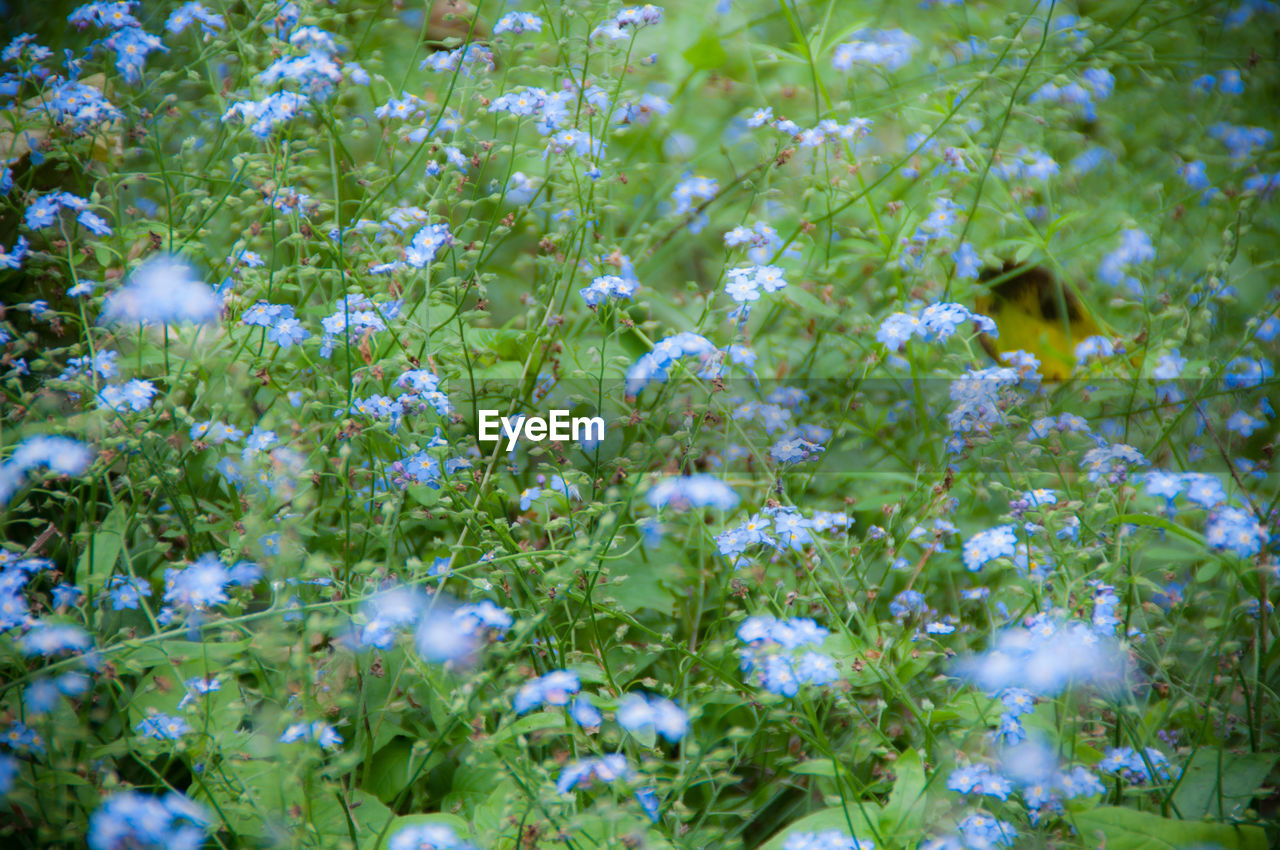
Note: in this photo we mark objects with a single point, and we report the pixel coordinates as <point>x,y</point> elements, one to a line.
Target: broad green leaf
<point>525,725</point>
<point>807,301</point>
<point>905,809</point>
<point>706,52</point>
<point>1159,522</point>
<point>393,767</point>
<point>815,767</point>
<point>1238,778</point>
<point>1208,572</point>
<point>1119,828</point>
<point>99,559</point>
<point>167,655</point>
<point>367,814</point>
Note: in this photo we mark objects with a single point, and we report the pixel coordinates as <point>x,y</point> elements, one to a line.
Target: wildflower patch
<point>461,425</point>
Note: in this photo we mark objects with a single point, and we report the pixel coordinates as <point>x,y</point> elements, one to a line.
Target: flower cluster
<point>163,290</point>
<point>777,529</point>
<point>888,49</point>
<point>606,287</point>
<point>43,212</point>
<point>778,654</point>
<point>933,323</point>
<point>129,820</point>
<point>831,839</point>
<point>1044,657</point>
<point>1135,248</point>
<point>692,491</point>
<point>640,712</point>
<point>60,455</point>
<point>608,769</point>
<point>427,836</point>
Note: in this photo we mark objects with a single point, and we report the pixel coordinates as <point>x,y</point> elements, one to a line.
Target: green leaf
<point>1128,829</point>
<point>532,723</point>
<point>807,301</point>
<point>1159,522</point>
<point>816,767</point>
<point>108,541</point>
<point>392,768</point>
<point>905,809</point>
<point>368,817</point>
<point>173,654</point>
<point>1208,572</point>
<point>1240,776</point>
<point>706,52</point>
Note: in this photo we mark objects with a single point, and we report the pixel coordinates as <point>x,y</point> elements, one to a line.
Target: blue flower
<point>199,585</point>
<point>981,830</point>
<point>555,688</point>
<point>584,713</point>
<point>607,769</point>
<point>41,697</point>
<point>189,13</point>
<point>608,287</point>
<point>318,731</point>
<point>889,49</point>
<point>1079,782</point>
<point>628,20</point>
<point>389,612</point>
<point>13,259</point>
<point>266,115</point>
<point>460,59</point>
<point>1046,657</point>
<point>1241,140</point>
<point>639,712</point>
<point>199,686</point>
<point>1027,164</point>
<point>1017,701</point>
<point>107,15</point>
<point>1112,461</point>
<point>163,727</point>
<point>1137,768</point>
<point>449,634</point>
<point>682,492</point>
<point>793,450</point>
<point>125,592</point>
<point>979,779</point>
<point>986,546</point>
<point>426,244</point>
<point>130,819</point>
<point>1229,82</point>
<point>816,668</point>
<point>935,323</point>
<point>831,839</point>
<point>427,836</point>
<point>132,44</point>
<point>967,261</point>
<point>64,596</point>
<point>163,289</point>
<point>692,189</point>
<point>9,768</point>
<point>1235,530</point>
<point>517,23</point>
<point>908,603</point>
<point>49,638</point>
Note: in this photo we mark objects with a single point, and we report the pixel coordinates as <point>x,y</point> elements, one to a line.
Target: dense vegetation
<point>935,345</point>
